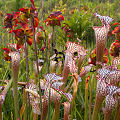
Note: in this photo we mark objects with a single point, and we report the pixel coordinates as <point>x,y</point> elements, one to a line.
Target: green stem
<point>26,58</point>
<point>46,48</point>
<point>53,41</point>
<point>74,93</point>
<point>69,86</point>
<point>90,100</point>
<point>27,76</point>
<point>86,100</point>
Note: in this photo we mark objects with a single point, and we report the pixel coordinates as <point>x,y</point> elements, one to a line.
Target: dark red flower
<point>54,19</point>
<point>24,16</point>
<point>43,48</point>
<point>28,13</point>
<point>10,20</point>
<point>7,51</point>
<point>116,30</point>
<point>68,32</point>
<point>115,49</point>
<point>92,59</point>
<point>116,24</point>
<point>32,6</point>
<point>6,54</point>
<point>22,34</point>
<point>36,22</point>
<point>10,48</point>
<point>34,14</point>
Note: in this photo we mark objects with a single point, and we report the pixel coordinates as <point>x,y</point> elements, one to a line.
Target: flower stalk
<point>90,99</point>
<point>53,37</point>
<point>46,50</point>
<point>27,74</point>
<point>86,98</point>
<point>37,64</point>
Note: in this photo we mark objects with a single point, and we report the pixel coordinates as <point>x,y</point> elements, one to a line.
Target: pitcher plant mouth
<point>74,51</point>
<point>101,33</point>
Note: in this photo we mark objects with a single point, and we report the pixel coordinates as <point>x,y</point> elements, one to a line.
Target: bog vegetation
<point>59,60</point>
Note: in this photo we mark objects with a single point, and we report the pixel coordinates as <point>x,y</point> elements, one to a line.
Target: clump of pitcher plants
<point>58,74</point>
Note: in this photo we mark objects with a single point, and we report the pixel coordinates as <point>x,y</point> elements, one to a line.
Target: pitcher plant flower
<point>22,34</point>
<point>115,49</point>
<point>10,20</point>
<point>115,46</point>
<point>116,31</point>
<point>10,48</point>
<point>28,13</point>
<point>6,54</point>
<point>92,58</point>
<point>54,19</point>
<point>67,30</point>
